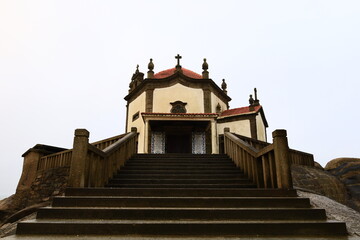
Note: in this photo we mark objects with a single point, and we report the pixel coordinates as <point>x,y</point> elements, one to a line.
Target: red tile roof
<point>239,111</point>
<point>179,114</point>
<point>171,71</point>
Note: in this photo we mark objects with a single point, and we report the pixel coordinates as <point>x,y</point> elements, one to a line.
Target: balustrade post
<point>30,167</point>
<point>282,161</point>
<point>225,142</point>
<point>78,169</point>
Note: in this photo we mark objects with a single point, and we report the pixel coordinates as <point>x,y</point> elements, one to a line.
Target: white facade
<point>261,128</point>
<point>215,101</point>
<point>241,127</point>
<point>135,108</point>
<point>194,97</point>
<point>181,111</point>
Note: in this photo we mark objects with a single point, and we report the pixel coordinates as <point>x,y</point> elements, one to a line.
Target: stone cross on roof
<point>178,57</point>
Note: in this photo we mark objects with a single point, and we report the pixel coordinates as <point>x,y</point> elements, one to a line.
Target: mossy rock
<point>337,162</point>
<point>348,171</point>
<point>318,181</point>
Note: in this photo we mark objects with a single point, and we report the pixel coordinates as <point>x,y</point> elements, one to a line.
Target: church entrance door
<point>178,143</point>
<point>179,137</point>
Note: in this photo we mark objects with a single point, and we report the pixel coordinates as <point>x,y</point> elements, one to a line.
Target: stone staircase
<point>181,195</point>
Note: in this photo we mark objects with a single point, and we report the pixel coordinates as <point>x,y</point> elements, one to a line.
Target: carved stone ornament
<point>151,65</point>
<point>205,65</point>
<point>150,73</point>
<point>178,107</point>
<point>205,73</point>
<point>251,100</point>
<point>218,108</point>
<point>224,85</point>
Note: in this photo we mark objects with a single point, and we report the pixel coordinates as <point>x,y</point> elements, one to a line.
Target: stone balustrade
<point>268,167</point>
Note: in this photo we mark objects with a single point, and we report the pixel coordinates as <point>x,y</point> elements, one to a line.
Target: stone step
<point>188,192</point>
<point>181,161</point>
<point>185,185</point>
<point>183,171</point>
<point>178,176</point>
<point>182,213</point>
<point>172,163</point>
<point>183,228</point>
<point>144,180</point>
<point>181,156</point>
<point>182,168</point>
<point>183,202</point>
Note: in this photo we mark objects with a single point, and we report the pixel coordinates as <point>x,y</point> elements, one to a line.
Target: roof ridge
<point>171,71</point>
<point>239,111</point>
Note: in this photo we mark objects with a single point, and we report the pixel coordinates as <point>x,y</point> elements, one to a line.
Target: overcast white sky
<point>67,64</point>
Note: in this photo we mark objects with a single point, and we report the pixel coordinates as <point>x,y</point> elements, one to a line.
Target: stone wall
<point>47,184</point>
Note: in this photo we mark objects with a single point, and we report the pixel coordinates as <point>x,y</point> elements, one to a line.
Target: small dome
<point>171,71</point>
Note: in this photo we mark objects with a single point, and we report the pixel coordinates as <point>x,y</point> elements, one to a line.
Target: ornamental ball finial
<point>151,65</point>
<point>224,86</point>
<point>205,65</point>
<point>251,100</point>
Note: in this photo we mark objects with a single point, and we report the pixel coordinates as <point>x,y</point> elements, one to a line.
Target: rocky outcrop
<point>340,180</point>
<point>336,211</point>
<point>315,180</point>
<point>46,185</point>
<point>337,162</point>
<point>317,165</point>
<point>348,171</point>
<point>11,205</point>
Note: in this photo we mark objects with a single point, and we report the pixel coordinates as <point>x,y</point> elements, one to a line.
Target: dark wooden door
<point>178,143</point>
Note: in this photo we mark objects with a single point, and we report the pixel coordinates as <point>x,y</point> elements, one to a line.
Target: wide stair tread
<point>146,180</point>
<point>184,228</point>
<point>161,213</point>
<point>178,176</point>
<point>219,202</point>
<point>178,192</point>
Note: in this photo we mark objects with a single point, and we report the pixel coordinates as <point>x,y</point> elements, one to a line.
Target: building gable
<point>177,106</point>
<point>165,80</point>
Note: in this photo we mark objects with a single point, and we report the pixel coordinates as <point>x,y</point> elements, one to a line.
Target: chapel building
<point>180,111</point>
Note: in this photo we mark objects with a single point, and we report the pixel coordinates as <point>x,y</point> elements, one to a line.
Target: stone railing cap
<point>81,132</point>
<point>279,133</point>
<point>44,149</point>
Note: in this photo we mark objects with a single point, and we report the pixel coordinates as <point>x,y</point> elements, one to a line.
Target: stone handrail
<point>253,142</point>
<point>301,158</point>
<point>296,157</point>
<point>107,142</point>
<point>268,167</point>
<point>61,159</point>
<point>91,166</point>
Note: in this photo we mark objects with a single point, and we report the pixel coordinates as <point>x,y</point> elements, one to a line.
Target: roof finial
<point>205,73</point>
<point>150,73</point>
<point>256,101</point>
<point>224,86</point>
<point>251,100</point>
<point>178,66</point>
<point>136,79</point>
